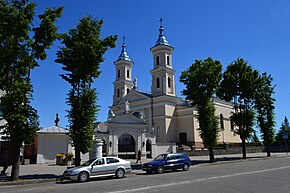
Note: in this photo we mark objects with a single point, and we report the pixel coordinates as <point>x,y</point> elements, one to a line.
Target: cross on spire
<point>124,55</point>
<point>161,39</point>
<point>123,39</point>
<point>161,19</point>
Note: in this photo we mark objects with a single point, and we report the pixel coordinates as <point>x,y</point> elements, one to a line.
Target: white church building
<point>155,122</point>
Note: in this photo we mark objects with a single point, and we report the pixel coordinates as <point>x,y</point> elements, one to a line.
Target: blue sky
<point>256,30</point>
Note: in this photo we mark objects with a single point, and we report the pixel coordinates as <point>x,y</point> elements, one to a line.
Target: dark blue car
<point>168,161</point>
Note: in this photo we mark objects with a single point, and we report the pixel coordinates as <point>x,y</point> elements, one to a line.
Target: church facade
<point>158,121</point>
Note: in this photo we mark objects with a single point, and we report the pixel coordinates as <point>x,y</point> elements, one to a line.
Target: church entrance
<point>126,146</point>
<point>183,138</point>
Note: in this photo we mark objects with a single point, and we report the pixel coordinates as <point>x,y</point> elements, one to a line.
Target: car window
<point>112,160</point>
<point>170,157</point>
<point>87,163</point>
<point>178,156</point>
<point>160,157</point>
<point>100,161</point>
<point>175,157</point>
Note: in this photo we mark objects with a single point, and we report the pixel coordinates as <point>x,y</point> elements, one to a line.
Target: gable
<point>135,95</point>
<point>127,119</point>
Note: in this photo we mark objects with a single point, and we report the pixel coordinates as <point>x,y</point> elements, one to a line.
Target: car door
<point>112,165</point>
<point>98,168</point>
<point>179,161</point>
<point>170,162</point>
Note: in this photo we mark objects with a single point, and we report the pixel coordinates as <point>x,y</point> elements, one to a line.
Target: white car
<point>98,167</point>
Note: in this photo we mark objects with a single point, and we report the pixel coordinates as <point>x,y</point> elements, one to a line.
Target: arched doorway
<point>126,146</point>
<point>148,148</point>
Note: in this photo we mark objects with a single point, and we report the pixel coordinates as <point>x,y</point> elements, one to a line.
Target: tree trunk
<point>244,148</point>
<point>268,151</point>
<point>77,157</point>
<point>15,162</point>
<point>211,154</point>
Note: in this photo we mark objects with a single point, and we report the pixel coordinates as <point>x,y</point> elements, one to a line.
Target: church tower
<point>123,83</point>
<point>163,82</point>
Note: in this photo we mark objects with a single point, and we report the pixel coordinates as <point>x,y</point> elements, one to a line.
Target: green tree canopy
<point>21,46</point>
<point>202,80</point>
<point>239,85</point>
<point>81,57</point>
<point>264,104</point>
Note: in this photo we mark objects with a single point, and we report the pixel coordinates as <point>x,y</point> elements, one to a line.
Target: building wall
<point>170,123</point>
<point>187,122</point>
<point>226,135</point>
<point>172,116</point>
<point>165,148</point>
<point>51,144</point>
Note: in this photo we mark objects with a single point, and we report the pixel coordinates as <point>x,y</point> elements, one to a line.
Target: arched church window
<point>128,74</point>
<point>169,82</point>
<point>157,60</point>
<point>128,90</point>
<point>158,83</point>
<point>119,73</point>
<point>168,60</point>
<point>118,93</point>
<point>222,122</point>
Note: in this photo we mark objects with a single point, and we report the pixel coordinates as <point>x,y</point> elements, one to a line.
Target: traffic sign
<point>284,135</point>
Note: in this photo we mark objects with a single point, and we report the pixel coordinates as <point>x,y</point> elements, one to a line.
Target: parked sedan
<point>169,161</point>
<point>98,167</point>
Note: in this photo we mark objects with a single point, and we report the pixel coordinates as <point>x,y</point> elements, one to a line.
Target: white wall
<point>165,148</point>
<point>51,144</point>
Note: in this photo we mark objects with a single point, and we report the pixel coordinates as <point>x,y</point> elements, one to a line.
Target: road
<point>267,175</point>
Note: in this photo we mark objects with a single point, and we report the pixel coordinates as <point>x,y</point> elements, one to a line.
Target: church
<point>158,121</point>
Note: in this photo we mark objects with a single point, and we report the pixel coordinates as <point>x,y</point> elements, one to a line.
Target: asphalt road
<point>267,175</point>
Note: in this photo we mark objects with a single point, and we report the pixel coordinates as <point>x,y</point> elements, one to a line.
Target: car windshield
<point>87,163</point>
<point>160,157</point>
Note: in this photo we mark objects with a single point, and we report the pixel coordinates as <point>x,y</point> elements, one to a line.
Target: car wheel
<point>160,169</point>
<point>185,167</point>
<point>83,177</point>
<point>120,173</point>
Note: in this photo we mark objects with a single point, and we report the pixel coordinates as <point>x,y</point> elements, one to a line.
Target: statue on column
<point>111,114</point>
<point>56,120</point>
<point>135,84</point>
<point>127,107</point>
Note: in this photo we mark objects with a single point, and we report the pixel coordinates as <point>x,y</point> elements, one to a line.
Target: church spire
<point>124,55</point>
<point>123,83</point>
<point>161,39</point>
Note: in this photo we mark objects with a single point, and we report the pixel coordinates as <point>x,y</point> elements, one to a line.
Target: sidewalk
<point>37,173</point>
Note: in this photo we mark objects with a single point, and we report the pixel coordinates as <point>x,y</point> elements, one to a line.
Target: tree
<point>284,129</point>
<point>239,85</point>
<point>202,80</point>
<point>81,57</point>
<point>254,138</point>
<point>264,104</point>
<point>21,46</point>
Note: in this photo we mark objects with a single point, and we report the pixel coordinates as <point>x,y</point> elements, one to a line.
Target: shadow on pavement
<point>32,177</point>
<point>40,176</point>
